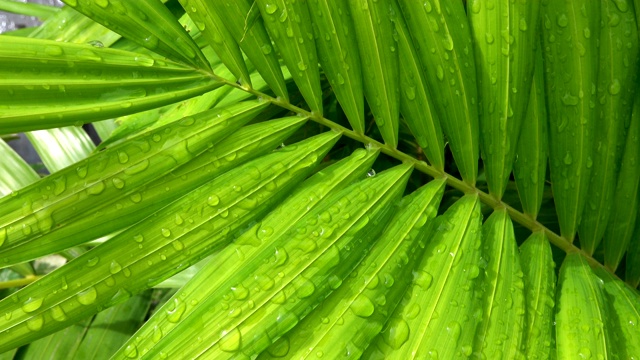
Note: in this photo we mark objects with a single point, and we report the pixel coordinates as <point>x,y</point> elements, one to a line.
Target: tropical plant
<point>236,169</point>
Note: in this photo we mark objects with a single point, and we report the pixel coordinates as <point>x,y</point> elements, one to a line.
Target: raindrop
<point>213,200</point>
<point>88,296</point>
<point>397,333</point>
<point>362,306</point>
<point>568,159</point>
<point>562,20</point>
<point>271,8</point>
<point>131,352</point>
<point>175,313</point>
<point>32,304</point>
<point>96,43</point>
<point>58,314</point>
<point>115,267</point>
<point>614,88</point>
<point>230,341</point>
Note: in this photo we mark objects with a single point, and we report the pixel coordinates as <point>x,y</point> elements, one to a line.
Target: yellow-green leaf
<point>379,63</point>
<point>147,22</point>
<point>45,84</point>
<point>570,31</point>
<point>504,36</point>
<point>500,333</point>
<point>440,308</point>
<point>582,329</point>
<point>346,322</point>
<point>334,33</point>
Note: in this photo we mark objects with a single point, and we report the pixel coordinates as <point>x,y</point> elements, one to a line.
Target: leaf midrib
<point>521,218</point>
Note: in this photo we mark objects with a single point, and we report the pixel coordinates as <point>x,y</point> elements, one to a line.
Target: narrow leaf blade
<point>379,63</point>
<point>540,285</point>
<point>289,24</point>
<point>581,319</point>
<point>147,22</point>
<point>530,167</point>
<point>334,33</point>
<point>228,263</point>
<point>345,323</point>
<point>47,84</point>
<point>450,72</point>
<point>569,24</point>
<point>439,310</point>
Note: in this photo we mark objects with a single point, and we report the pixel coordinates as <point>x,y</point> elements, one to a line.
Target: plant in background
<point>235,169</point>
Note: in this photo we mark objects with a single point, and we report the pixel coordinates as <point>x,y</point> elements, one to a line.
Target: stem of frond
<point>517,216</point>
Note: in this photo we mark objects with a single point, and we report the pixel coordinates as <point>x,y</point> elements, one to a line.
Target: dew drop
<point>136,198</point>
<point>96,188</point>
<point>123,157</point>
<point>568,159</point>
<point>131,352</point>
<point>175,313</point>
<point>213,200</point>
<point>397,333</point>
<point>58,314</point>
<point>271,8</point>
<point>117,183</point>
<point>230,341</point>
<point>614,88</point>
<point>115,267</point>
<point>35,323</point>
<point>362,306</point>
<point>32,304</point>
<point>562,20</point>
<point>88,296</point>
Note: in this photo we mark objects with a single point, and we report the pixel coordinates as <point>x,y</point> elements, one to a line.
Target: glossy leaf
<point>439,310</point>
<point>117,212</point>
<point>500,333</point>
<point>218,37</point>
<point>618,70</point>
<point>47,84</point>
<point>62,344</point>
<point>112,327</point>
<point>271,293</point>
<point>178,236</point>
<point>289,24</point>
<point>15,173</point>
<point>28,9</point>
<point>105,128</point>
<point>379,63</point>
<point>624,303</point>
<point>540,289</point>
<point>253,40</point>
<point>147,22</point>
<point>61,147</point>
<point>334,33</point>
<point>632,273</point>
<point>582,324</point>
<point>626,199</point>
<point>570,78</point>
<point>504,34</point>
<point>115,174</point>
<point>416,104</point>
<point>530,167</point>
<point>228,262</point>
<point>442,37</point>
<point>68,25</point>
<point>346,322</point>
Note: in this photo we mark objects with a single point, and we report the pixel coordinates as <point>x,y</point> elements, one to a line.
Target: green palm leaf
<point>82,83</point>
<point>258,227</point>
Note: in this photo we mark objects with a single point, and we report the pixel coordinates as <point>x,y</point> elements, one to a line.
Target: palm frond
<point>296,247</point>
